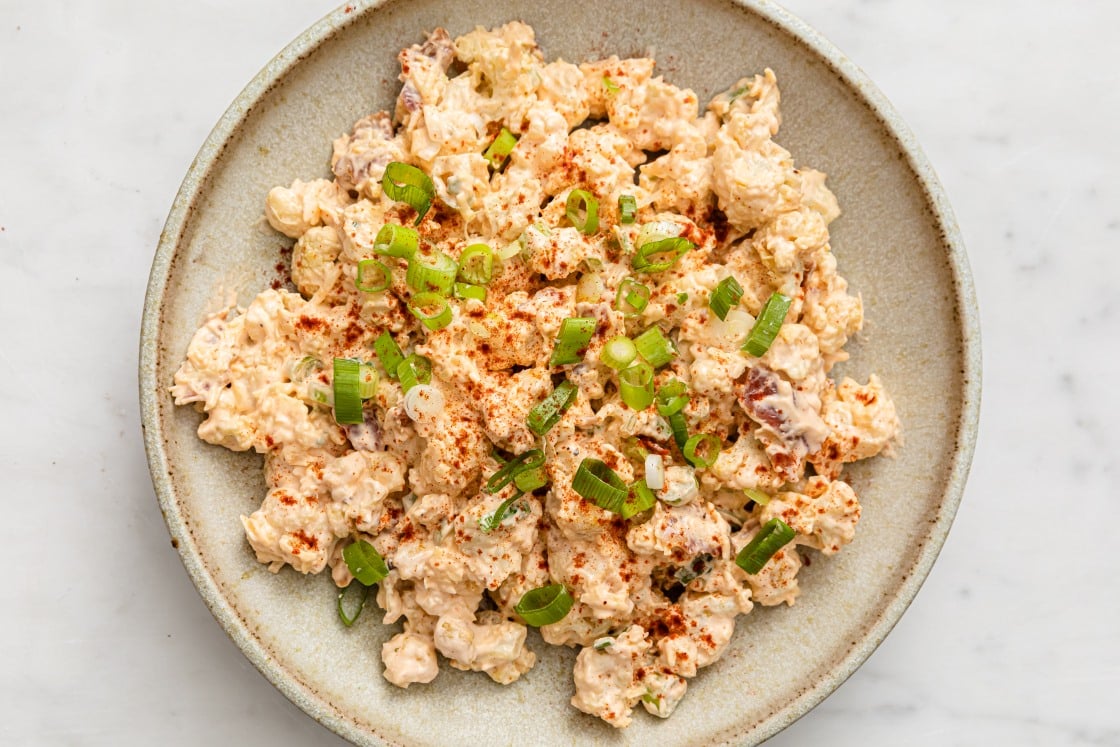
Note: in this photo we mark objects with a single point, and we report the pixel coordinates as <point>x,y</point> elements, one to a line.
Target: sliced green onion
<point>627,208</point>
<point>634,449</point>
<point>757,496</point>
<point>528,480</point>
<point>610,85</point>
<point>635,384</point>
<point>575,335</point>
<point>619,352</point>
<point>367,381</point>
<point>500,149</point>
<point>434,273</point>
<point>431,309</point>
<point>372,277</point>
<point>476,264</point>
<point>389,353</point>
<point>702,450</point>
<point>529,460</point>
<point>397,241</point>
<point>725,297</point>
<point>682,298</point>
<point>466,290</point>
<point>679,426</point>
<point>365,562</point>
<point>544,605</point>
<point>413,370</point>
<point>598,483</point>
<point>362,591</point>
<point>347,391</point>
<point>492,520</point>
<point>582,210</point>
<point>767,325</point>
<point>405,183</point>
<point>672,397</point>
<point>660,255</point>
<point>548,411</point>
<point>655,347</point>
<point>632,297</point>
<point>774,535</point>
<point>639,499</point>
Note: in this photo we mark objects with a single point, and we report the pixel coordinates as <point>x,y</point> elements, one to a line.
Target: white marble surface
<point>1015,638</point>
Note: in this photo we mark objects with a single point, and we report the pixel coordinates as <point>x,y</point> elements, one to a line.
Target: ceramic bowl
<point>896,242</point>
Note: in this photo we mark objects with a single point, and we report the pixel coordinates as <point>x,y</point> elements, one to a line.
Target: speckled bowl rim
<point>151,389</point>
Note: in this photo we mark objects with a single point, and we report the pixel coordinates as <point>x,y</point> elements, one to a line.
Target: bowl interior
<point>894,242</point>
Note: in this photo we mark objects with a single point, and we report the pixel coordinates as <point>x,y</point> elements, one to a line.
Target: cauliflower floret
<point>409,658</point>
<point>360,158</point>
<point>290,528</point>
<point>606,679</point>
<point>313,259</point>
<point>496,646</point>
<point>360,481</point>
<point>863,423</point>
<point>830,311</point>
<point>680,533</point>
<point>293,210</point>
<point>824,516</point>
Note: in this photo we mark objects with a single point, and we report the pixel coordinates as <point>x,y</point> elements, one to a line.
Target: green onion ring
<point>632,297</point>
<point>397,241</point>
<point>574,337</point>
<point>725,297</point>
<point>466,290</point>
<point>476,264</point>
<point>598,483</point>
<point>405,183</point>
<point>528,480</point>
<point>679,426</point>
<point>413,370</point>
<point>582,201</point>
<point>702,450</point>
<point>363,592</point>
<point>347,391</point>
<point>774,535</point>
<point>548,411</point>
<point>767,325</point>
<point>639,499</point>
<point>529,460</point>
<point>660,255</point>
<point>434,273</point>
<point>372,276</point>
<point>757,496</point>
<point>499,150</point>
<point>492,520</point>
<point>655,347</point>
<point>365,562</point>
<point>367,381</point>
<point>635,385</point>
<point>431,309</point>
<point>618,353</point>
<point>544,605</point>
<point>627,208</point>
<point>389,353</point>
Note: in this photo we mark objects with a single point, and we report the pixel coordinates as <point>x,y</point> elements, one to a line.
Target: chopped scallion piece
<point>610,85</point>
<point>476,264</point>
<point>598,483</point>
<point>655,347</point>
<point>672,397</point>
<point>405,183</point>
<point>434,273</point>
<point>397,241</point>
<point>500,149</point>
<point>660,255</point>
<point>702,450</point>
<point>431,309</point>
<point>372,277</point>
<point>504,476</point>
<point>367,381</point>
<point>725,297</point>
<point>582,210</point>
<point>413,370</point>
<point>774,535</point>
<point>347,392</point>
<point>575,335</point>
<point>362,592</point>
<point>466,290</point>
<point>639,499</point>
<point>528,480</point>
<point>619,352</point>
<point>544,605</point>
<point>632,297</point>
<point>364,562</point>
<point>682,298</point>
<point>679,426</point>
<point>548,411</point>
<point>757,496</point>
<point>635,385</point>
<point>493,520</point>
<point>627,208</point>
<point>389,353</point>
<point>767,325</point>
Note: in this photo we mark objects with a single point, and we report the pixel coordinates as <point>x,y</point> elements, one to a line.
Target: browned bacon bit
<point>790,424</point>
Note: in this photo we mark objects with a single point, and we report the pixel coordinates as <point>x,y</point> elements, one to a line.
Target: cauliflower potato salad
<point>555,354</point>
